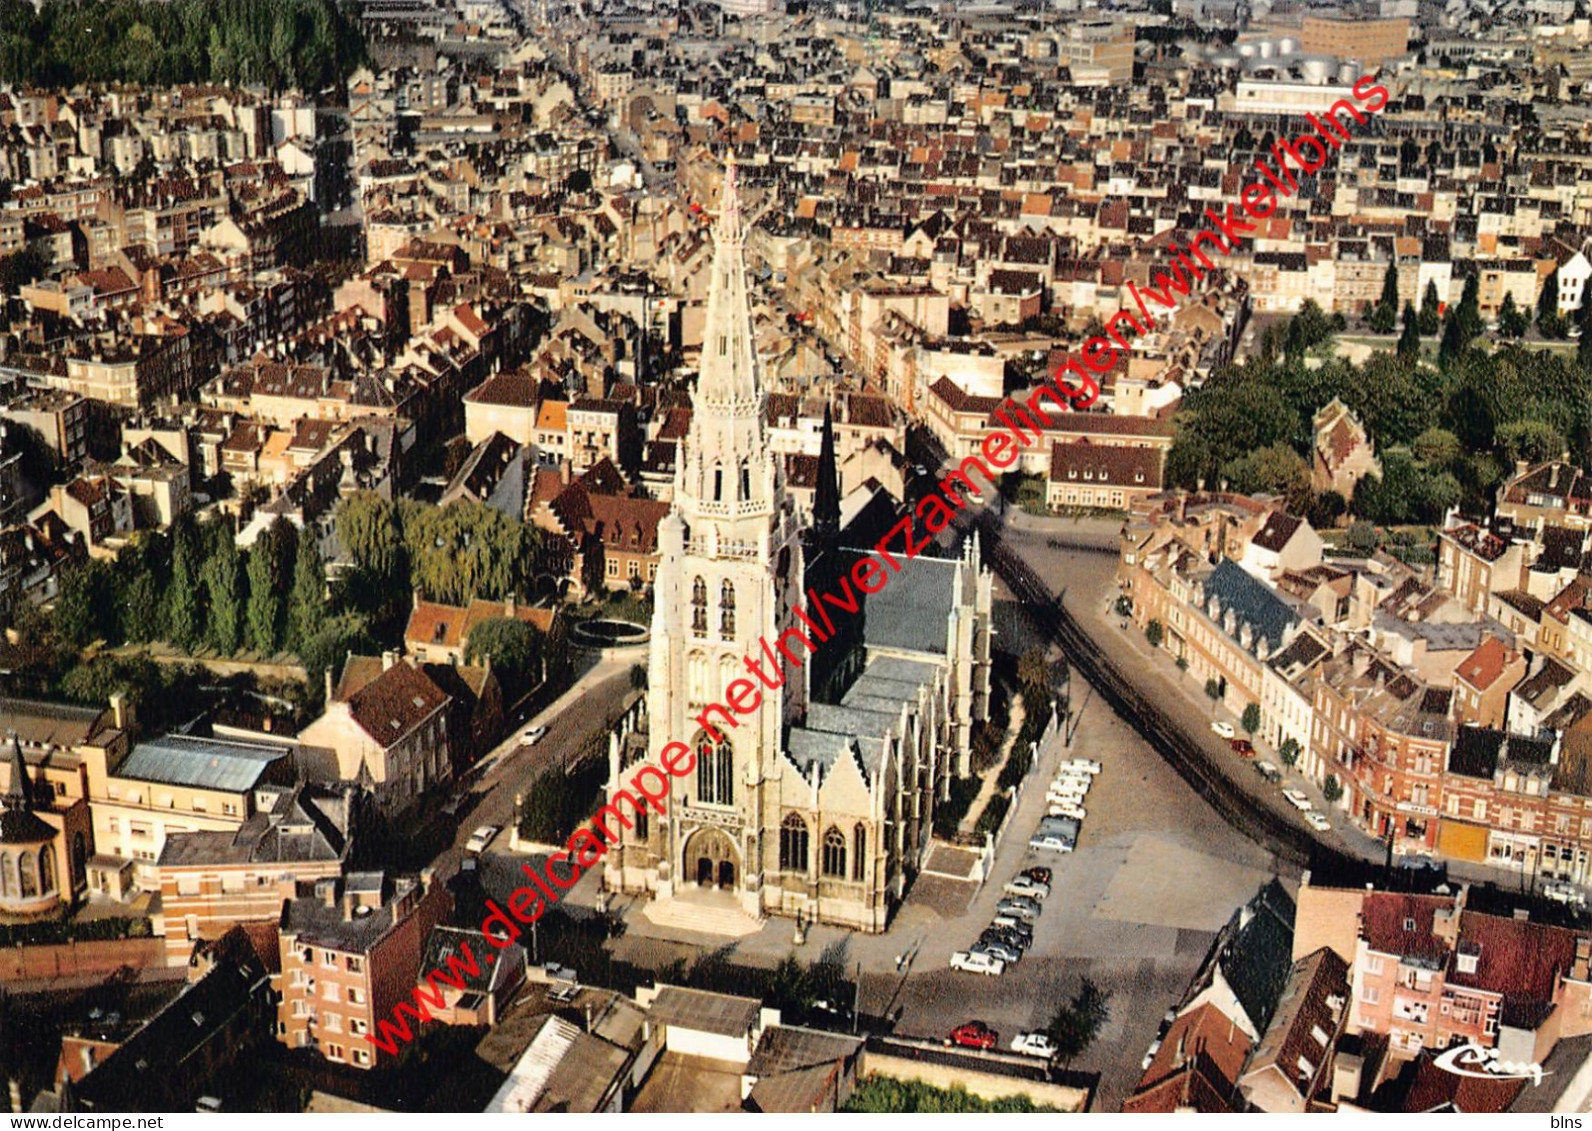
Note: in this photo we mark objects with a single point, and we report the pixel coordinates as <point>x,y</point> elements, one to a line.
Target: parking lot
<point>1135,908</point>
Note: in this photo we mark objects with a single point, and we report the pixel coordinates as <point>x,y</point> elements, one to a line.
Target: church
<point>819,803</point>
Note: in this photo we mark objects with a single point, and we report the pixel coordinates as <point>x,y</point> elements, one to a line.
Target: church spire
<point>826,494</point>
<point>731,374</point>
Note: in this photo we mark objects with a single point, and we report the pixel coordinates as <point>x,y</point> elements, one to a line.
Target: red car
<point>1040,875</point>
<point>1243,747</point>
<point>974,1035</point>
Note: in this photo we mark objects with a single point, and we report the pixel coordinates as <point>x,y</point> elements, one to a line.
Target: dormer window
<point>1409,924</point>
<point>1466,963</point>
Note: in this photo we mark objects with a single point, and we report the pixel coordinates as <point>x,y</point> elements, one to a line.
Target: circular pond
<point>608,634</point>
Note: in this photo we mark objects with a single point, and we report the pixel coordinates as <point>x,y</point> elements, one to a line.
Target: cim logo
<point>1473,1060</point>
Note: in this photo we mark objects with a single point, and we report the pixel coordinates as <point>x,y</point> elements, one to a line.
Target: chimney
<point>328,674</point>
<point>327,890</point>
<point>121,712</point>
<point>388,659</point>
<point>508,606</point>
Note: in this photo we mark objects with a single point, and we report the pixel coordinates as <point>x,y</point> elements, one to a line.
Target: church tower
<point>730,568</point>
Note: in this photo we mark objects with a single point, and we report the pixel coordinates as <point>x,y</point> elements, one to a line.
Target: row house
<point>1429,973</point>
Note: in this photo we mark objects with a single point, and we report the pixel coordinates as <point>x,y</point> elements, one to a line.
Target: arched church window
<point>715,771</point>
<point>46,869</point>
<point>8,875</point>
<point>699,607</point>
<point>746,480</point>
<point>793,844</point>
<point>834,862</point>
<point>718,484</point>
<point>727,611</point>
<point>30,876</point>
<point>859,853</point>
<point>724,345</point>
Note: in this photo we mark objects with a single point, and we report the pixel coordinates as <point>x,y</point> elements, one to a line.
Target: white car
<point>1050,842</point>
<point>977,963</point>
<point>1298,800</point>
<point>1225,730</point>
<point>1087,765</point>
<point>532,736</point>
<point>1034,1044</point>
<point>1026,885</point>
<point>1564,893</point>
<point>1076,812</point>
<point>1074,785</point>
<point>481,838</point>
<point>1318,822</point>
<point>1063,797</point>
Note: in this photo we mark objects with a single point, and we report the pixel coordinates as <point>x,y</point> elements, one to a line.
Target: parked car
<point>1565,893</point>
<point>1297,799</point>
<point>1268,770</point>
<point>1019,935</point>
<point>997,949</point>
<point>1243,747</point>
<point>557,973</point>
<point>1054,799</point>
<point>1034,1044</point>
<point>532,736</point>
<point>976,963</point>
<point>1043,875</point>
<point>1052,842</point>
<point>452,806</point>
<point>1224,730</point>
<point>1076,812</point>
<point>1088,765</point>
<point>1024,885</point>
<point>1318,821</point>
<point>1069,786</point>
<point>481,838</point>
<point>1019,905</point>
<point>973,1035</point>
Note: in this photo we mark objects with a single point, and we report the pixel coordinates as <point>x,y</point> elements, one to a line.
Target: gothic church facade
<point>816,806</point>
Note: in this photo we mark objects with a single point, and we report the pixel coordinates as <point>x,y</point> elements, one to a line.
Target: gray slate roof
<point>203,763</point>
<point>911,612</point>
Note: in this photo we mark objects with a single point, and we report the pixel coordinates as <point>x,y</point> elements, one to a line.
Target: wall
<point>986,1085</point>
<point>79,958</point>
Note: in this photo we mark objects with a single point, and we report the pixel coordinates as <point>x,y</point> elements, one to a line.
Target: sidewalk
<point>1158,665</point>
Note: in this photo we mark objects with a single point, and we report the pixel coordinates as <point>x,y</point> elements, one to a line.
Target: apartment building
<point>351,951</point>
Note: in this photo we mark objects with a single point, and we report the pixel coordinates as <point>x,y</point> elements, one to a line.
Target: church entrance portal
<point>711,855</point>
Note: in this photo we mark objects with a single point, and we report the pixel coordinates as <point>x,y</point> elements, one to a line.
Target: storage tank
<point>1225,59</point>
<point>1247,50</point>
<point>1349,71</point>
<point>1267,48</point>
<point>1287,45</point>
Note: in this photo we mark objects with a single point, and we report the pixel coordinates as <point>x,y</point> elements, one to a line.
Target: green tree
<point>1454,340</point>
<point>307,602</point>
<point>1309,329</point>
<point>1289,751</point>
<point>85,605</point>
<point>1429,320</point>
<point>1154,633</point>
<point>1332,789</point>
<point>1583,347</point>
<point>514,649</point>
<point>1469,312</point>
<point>1251,719</point>
<point>184,609</point>
<point>1074,1027</point>
<point>1410,340</point>
<point>1531,440</point>
<point>1361,537</point>
<point>221,575</point>
<point>1033,674</point>
<point>1548,300</point>
<point>331,644</point>
<point>368,528</point>
<point>270,570</point>
<point>1512,321</point>
<point>1388,305</point>
<point>1276,470</point>
<point>1213,689</point>
<point>1438,448</point>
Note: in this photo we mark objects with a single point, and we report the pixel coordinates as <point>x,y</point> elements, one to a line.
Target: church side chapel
<point>819,803</point>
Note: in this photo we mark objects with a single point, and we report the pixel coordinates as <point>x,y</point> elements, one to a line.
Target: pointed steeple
<point>18,824</point>
<point>826,494</point>
<point>727,471</point>
<point>731,372</point>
